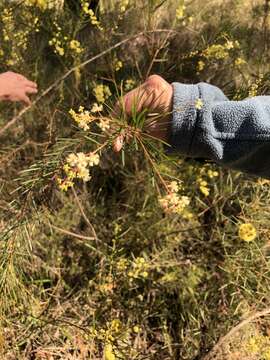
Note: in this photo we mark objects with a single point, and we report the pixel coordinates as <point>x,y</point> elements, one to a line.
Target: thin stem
<point>152,163</point>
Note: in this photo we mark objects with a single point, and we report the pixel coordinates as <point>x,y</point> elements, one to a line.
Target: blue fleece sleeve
<point>235,134</point>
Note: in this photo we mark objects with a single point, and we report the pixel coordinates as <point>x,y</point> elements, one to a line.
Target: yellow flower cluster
<point>7,21</point>
<point>57,42</point>
<point>58,47</point>
<point>77,166</point>
<point>75,46</point>
<point>61,43</point>
<point>129,84</point>
<point>212,173</point>
<point>83,118</point>
<point>247,232</point>
<point>86,10</point>
<point>45,4</point>
<point>202,179</point>
<point>118,65</point>
<point>239,61</point>
<point>16,38</point>
<point>113,328</point>
<point>96,108</point>
<point>109,352</point>
<point>122,265</point>
<point>218,51</point>
<point>104,124</point>
<point>136,329</point>
<point>139,269</point>
<point>102,93</point>
<point>203,186</point>
<point>200,66</point>
<point>114,336</point>
<point>180,11</point>
<point>173,202</point>
<point>253,90</point>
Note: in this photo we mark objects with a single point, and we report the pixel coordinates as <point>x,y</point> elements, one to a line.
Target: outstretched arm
<point>204,123</point>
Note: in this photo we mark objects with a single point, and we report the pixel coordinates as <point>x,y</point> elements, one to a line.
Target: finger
<point>31,90</point>
<point>136,100</point>
<point>31,84</point>
<point>25,99</point>
<point>20,77</point>
<point>26,81</point>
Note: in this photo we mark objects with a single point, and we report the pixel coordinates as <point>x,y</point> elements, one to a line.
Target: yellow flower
<point>45,4</point>
<point>58,46</point>
<point>229,45</point>
<point>79,163</point>
<point>129,84</point>
<point>93,159</point>
<point>104,124</point>
<point>247,232</point>
<point>136,329</point>
<point>204,190</point>
<point>180,12</point>
<point>64,184</point>
<point>212,173</point>
<point>173,203</point>
<point>76,46</point>
<point>203,183</point>
<point>173,186</point>
<point>83,118</point>
<point>102,93</point>
<point>96,108</point>
<point>198,104</point>
<point>239,61</point>
<point>187,215</point>
<point>122,264</point>
<point>201,65</point>
<point>93,19</point>
<point>108,352</point>
<point>118,65</point>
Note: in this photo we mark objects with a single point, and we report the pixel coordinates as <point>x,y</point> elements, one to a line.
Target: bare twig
<point>157,53</point>
<point>70,233</point>
<point>234,330</point>
<point>84,215</point>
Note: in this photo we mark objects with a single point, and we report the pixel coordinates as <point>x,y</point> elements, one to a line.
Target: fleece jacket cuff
<point>184,117</point>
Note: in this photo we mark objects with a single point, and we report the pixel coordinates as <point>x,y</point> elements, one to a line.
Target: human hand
<point>15,87</point>
<point>156,96</point>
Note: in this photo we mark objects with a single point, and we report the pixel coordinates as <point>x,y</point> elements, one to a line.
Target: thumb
<point>24,98</point>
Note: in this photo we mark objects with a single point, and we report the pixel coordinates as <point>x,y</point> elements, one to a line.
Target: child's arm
<point>15,87</point>
<point>235,134</point>
<point>205,124</point>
